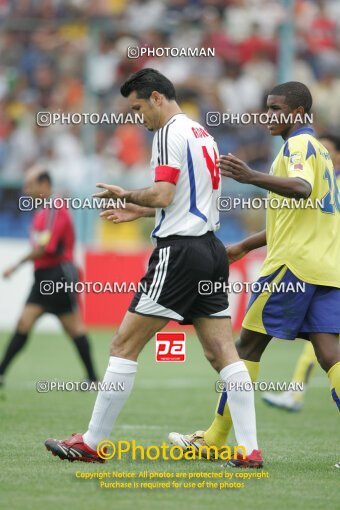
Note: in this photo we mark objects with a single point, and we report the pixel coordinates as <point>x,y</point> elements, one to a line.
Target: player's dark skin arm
<point>239,250</point>
<point>255,241</point>
<point>35,253</point>
<point>230,166</point>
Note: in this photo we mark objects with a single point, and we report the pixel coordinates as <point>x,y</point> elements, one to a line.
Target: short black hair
<point>296,94</point>
<point>335,140</point>
<point>145,81</point>
<point>44,177</point>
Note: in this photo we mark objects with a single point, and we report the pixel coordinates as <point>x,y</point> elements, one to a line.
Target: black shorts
<point>43,294</point>
<point>171,287</point>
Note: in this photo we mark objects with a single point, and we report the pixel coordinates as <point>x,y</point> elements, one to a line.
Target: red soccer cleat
<point>73,449</point>
<point>254,461</point>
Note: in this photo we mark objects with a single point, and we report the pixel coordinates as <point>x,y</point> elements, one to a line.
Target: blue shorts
<point>278,307</point>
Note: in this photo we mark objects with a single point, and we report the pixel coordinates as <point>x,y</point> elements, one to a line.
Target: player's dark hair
<point>296,94</point>
<point>335,140</point>
<point>145,81</point>
<point>44,177</point>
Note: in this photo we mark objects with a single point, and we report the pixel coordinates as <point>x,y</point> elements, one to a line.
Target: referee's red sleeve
<point>167,174</point>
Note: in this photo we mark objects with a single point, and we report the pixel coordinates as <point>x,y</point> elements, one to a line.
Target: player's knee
<point>250,350</point>
<point>122,346</point>
<point>215,357</point>
<point>73,326</point>
<point>211,358</point>
<point>24,325</point>
<point>76,332</point>
<point>326,360</point>
<point>326,349</point>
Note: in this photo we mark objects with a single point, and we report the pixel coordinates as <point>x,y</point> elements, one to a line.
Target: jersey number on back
<point>212,167</point>
<point>331,200</point>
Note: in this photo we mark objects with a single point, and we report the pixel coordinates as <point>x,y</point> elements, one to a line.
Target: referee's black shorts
<point>171,287</point>
<point>43,292</point>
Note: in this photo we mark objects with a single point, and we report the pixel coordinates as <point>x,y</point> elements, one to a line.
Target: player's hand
<point>231,166</point>
<point>235,252</point>
<point>110,191</point>
<point>130,212</point>
<point>9,271</point>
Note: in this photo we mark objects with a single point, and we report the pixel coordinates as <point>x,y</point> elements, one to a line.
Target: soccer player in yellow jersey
<point>293,400</point>
<point>303,246</point>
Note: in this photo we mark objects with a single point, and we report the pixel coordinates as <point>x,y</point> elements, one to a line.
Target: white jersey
<point>184,154</point>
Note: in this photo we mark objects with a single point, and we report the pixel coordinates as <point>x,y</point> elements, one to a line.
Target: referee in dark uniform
<point>52,240</point>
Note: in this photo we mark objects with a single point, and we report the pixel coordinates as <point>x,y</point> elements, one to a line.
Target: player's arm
<point>159,195</point>
<point>296,187</point>
<point>130,212</point>
<point>35,253</point>
<point>239,250</point>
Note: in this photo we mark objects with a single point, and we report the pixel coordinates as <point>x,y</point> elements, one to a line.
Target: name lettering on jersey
<point>324,154</point>
<point>200,132</point>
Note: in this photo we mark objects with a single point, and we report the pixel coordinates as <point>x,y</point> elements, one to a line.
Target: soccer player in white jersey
<point>183,200</point>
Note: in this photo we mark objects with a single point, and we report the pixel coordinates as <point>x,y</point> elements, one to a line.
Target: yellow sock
<point>304,367</point>
<point>217,433</point>
<point>334,378</point>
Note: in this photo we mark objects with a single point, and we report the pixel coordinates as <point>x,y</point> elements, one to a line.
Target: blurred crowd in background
<point>71,56</point>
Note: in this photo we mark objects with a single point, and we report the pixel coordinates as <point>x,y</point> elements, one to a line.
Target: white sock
<point>109,403</point>
<point>241,404</point>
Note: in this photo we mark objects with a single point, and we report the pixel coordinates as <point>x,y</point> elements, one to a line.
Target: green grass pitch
<point>300,449</point>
